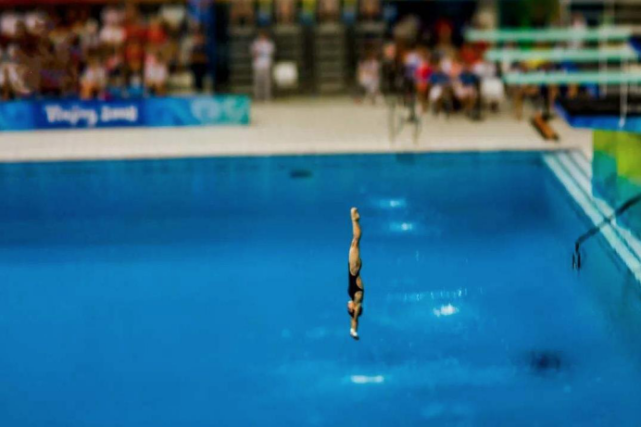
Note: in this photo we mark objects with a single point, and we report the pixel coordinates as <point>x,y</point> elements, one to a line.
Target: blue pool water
<point>212,292</point>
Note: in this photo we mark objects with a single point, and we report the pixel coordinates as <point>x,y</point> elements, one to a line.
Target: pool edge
<point>574,172</point>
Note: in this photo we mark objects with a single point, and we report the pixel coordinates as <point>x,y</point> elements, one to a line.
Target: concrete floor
<point>292,127</point>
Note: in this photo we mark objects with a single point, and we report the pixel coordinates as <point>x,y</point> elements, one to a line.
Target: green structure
<point>625,53</point>
<point>616,172</point>
<point>579,78</point>
<point>550,35</point>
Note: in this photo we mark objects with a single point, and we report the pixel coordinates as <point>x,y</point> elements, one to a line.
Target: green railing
<point>565,78</point>
<point>625,53</point>
<point>550,35</point>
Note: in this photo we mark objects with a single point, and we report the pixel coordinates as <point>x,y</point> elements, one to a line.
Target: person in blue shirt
<point>466,89</point>
<point>440,88</point>
<point>115,86</point>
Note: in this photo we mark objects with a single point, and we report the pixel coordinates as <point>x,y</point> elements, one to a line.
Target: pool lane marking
<point>622,242</point>
<point>582,163</point>
<point>585,185</point>
<point>627,238</point>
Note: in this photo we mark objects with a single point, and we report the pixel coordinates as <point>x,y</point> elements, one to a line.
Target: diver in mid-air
<point>355,288</point>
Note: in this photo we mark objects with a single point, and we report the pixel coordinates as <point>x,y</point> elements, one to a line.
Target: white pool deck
<point>291,127</point>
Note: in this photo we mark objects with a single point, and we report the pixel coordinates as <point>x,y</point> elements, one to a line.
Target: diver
<point>355,288</point>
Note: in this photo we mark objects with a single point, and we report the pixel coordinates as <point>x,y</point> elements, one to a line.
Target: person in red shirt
<point>156,34</point>
<point>134,56</point>
<point>134,25</point>
<point>423,73</point>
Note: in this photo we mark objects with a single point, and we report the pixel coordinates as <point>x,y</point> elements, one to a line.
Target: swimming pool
<point>211,292</point>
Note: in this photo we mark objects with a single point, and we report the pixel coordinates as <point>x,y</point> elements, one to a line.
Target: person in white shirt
<point>13,74</point>
<point>156,74</point>
<point>8,22</point>
<point>112,35</point>
<point>369,77</point>
<point>263,51</point>
<point>93,80</point>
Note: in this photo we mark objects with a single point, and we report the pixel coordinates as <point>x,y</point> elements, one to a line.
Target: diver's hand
<point>354,334</point>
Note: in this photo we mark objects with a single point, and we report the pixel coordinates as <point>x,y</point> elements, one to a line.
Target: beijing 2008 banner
<point>146,112</point>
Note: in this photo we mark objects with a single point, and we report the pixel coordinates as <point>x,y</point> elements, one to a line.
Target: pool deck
<point>301,126</point>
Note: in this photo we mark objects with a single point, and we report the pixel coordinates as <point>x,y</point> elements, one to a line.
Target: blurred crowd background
<point>266,48</point>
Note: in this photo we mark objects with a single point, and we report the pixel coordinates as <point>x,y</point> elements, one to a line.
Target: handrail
<point>549,35</point>
<point>576,257</point>
<point>626,53</point>
<point>564,78</point>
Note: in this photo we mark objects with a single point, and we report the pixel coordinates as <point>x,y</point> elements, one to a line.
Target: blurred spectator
<point>115,87</point>
<point>492,89</point>
<point>135,28</point>
<point>89,37</point>
<point>578,24</point>
<point>440,89</point>
<point>328,10</point>
<point>14,74</point>
<point>423,75</point>
<point>93,80</point>
<point>156,73</point>
<point>242,12</point>
<point>285,11</point>
<point>389,68</point>
<point>466,89</point>
<point>112,34</point>
<point>8,23</point>
<point>135,88</point>
<point>369,77</point>
<point>263,51</point>
<point>198,58</point>
<point>134,56</point>
<point>370,9</point>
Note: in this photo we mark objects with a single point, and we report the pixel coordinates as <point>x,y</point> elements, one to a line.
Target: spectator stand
<point>103,63</point>
<point>241,34</point>
<point>330,53</point>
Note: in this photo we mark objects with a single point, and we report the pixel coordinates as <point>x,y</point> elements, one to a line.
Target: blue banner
<point>144,112</point>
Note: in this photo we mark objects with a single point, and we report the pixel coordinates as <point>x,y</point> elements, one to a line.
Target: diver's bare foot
<point>355,215</point>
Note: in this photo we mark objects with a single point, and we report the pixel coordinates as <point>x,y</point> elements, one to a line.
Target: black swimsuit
<point>353,287</point>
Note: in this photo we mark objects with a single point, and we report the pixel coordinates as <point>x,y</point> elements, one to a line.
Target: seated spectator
<point>156,34</point>
<point>242,12</point>
<point>492,88</point>
<point>135,88</point>
<point>8,23</point>
<point>134,56</point>
<point>440,88</point>
<point>112,35</point>
<point>198,59</point>
<point>90,37</point>
<point>369,77</point>
<point>15,75</point>
<point>465,89</point>
<point>93,80</point>
<point>423,74</point>
<point>4,85</point>
<point>115,87</point>
<point>135,28</point>
<point>114,62</point>
<point>156,74</point>
<point>112,16</point>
